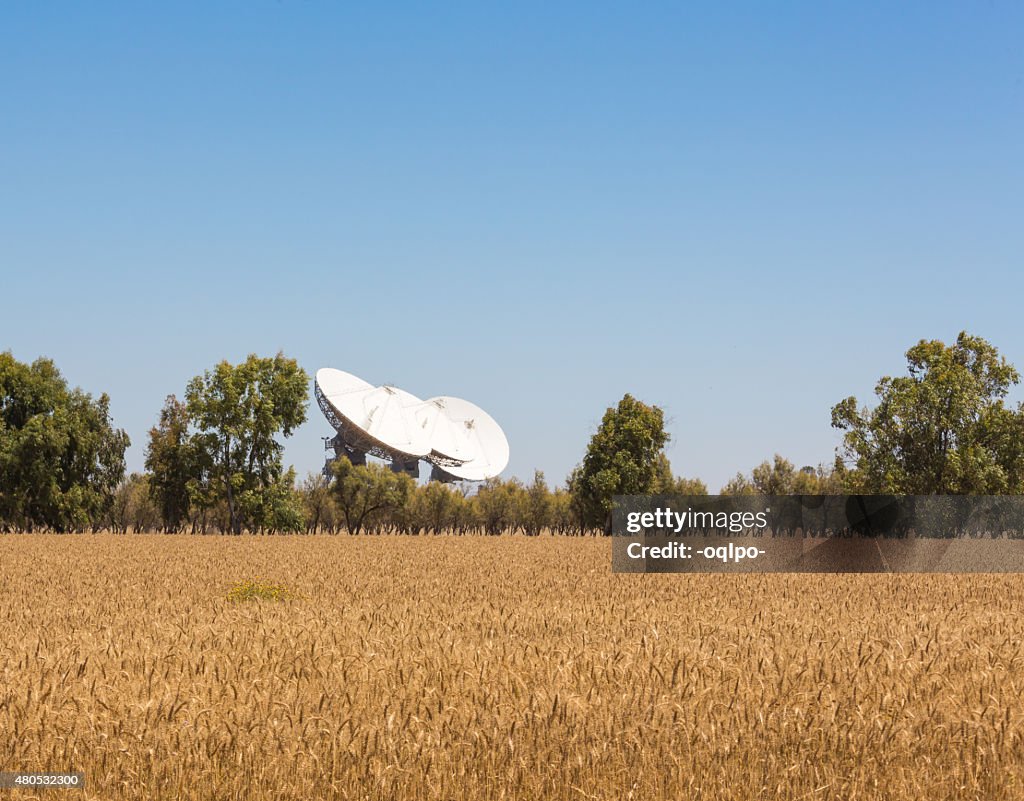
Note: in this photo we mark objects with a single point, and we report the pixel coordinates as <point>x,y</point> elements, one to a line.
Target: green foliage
<point>133,508</point>
<point>319,508</point>
<point>777,477</point>
<point>739,485</point>
<point>500,505</point>
<point>366,495</point>
<point>374,499</point>
<point>820,480</point>
<point>260,590</point>
<point>539,506</point>
<point>434,508</point>
<point>275,506</point>
<point>943,428</point>
<point>172,460</point>
<point>621,459</point>
<point>60,457</point>
<point>665,483</point>
<point>563,515</point>
<point>237,411</point>
<point>780,477</point>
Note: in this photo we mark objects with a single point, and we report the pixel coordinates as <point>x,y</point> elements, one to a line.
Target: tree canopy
<point>236,412</point>
<point>367,492</point>
<point>943,428</point>
<point>60,457</point>
<point>172,461</point>
<point>622,459</point>
<point>781,477</point>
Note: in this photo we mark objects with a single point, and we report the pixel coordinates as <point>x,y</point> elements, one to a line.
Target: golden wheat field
<point>496,668</point>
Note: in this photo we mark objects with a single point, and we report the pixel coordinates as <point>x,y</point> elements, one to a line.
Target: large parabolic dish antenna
<point>332,382</point>
<point>459,438</point>
<point>450,441</point>
<point>483,431</point>
<point>371,419</point>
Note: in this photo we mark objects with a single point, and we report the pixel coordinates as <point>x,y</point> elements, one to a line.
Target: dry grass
<point>445,668</point>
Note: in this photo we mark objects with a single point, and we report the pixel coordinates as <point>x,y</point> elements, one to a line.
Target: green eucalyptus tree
<point>61,460</point>
<point>172,461</point>
<point>622,459</point>
<point>942,429</point>
<point>237,412</point>
<point>369,495</point>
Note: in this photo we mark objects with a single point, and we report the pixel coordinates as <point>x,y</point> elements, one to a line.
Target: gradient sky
<point>740,212</point>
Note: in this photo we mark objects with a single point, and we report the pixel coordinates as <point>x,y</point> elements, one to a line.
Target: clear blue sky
<point>740,212</point>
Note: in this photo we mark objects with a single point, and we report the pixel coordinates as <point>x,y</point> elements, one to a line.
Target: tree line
<point>213,460</point>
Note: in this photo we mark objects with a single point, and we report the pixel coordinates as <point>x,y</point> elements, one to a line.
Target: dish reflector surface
<point>338,382</point>
<point>483,431</point>
<point>450,441</point>
<point>378,414</point>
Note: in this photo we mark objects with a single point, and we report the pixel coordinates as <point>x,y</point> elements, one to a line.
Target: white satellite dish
<point>371,419</point>
<point>380,413</point>
<point>484,432</point>
<point>450,442</point>
<point>459,438</point>
<point>331,382</point>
